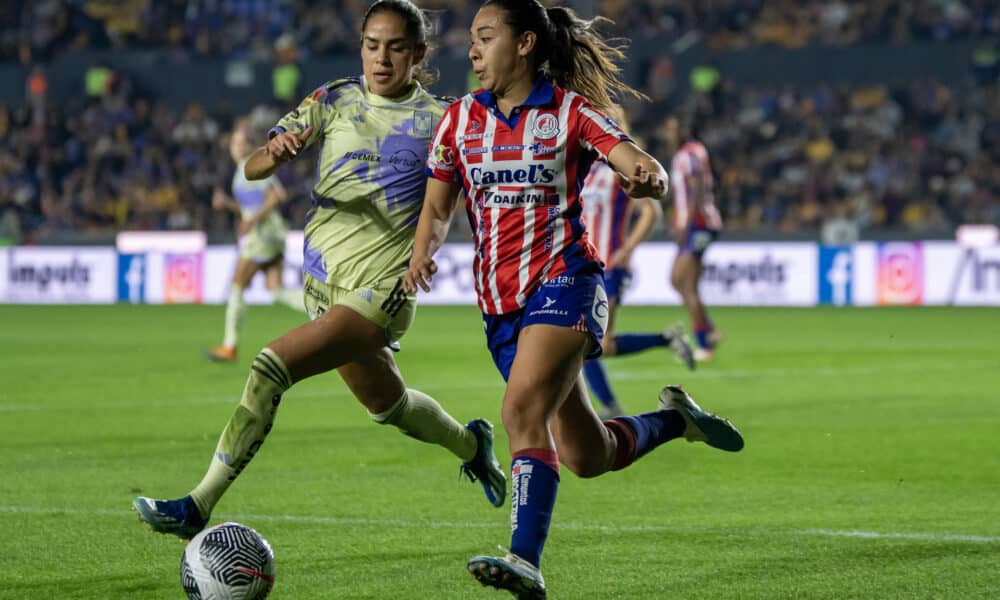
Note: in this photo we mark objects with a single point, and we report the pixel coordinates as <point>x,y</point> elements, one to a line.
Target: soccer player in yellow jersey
<point>374,131</point>
<point>262,231</point>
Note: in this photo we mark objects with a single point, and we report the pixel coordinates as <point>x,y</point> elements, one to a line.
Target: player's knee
<point>608,346</point>
<point>521,416</point>
<point>585,466</point>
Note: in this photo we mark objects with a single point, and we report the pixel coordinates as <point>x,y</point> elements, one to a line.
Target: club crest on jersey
<point>422,121</point>
<point>545,127</point>
<point>442,156</point>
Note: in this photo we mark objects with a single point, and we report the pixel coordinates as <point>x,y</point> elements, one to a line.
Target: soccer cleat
<point>701,426</point>
<point>177,517</point>
<point>484,466</point>
<point>511,573</point>
<point>703,354</point>
<point>680,346</point>
<point>221,354</point>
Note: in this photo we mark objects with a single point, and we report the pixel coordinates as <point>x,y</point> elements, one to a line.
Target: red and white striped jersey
<point>606,210</point>
<point>522,177</point>
<point>691,179</point>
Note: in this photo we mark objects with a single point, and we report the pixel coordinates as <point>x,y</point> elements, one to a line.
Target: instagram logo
<point>183,281</point>
<point>900,273</point>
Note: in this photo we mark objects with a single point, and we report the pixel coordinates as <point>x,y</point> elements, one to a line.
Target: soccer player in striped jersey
<point>696,224</point>
<point>374,131</point>
<point>607,212</point>
<point>262,231</point>
<point>520,149</point>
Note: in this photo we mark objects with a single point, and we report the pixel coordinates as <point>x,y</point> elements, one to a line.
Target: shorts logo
<point>548,302</point>
<point>545,127</point>
<point>396,299</point>
<point>600,308</point>
<point>317,295</point>
<point>422,121</point>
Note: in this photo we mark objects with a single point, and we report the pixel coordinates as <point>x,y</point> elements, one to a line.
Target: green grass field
<point>871,470</point>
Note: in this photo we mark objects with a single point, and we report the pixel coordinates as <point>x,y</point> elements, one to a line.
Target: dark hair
<point>570,51</point>
<point>418,29</point>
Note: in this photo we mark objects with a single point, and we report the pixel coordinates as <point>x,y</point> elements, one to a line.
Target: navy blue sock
<point>597,378</point>
<point>534,481</point>
<point>653,429</point>
<point>630,343</point>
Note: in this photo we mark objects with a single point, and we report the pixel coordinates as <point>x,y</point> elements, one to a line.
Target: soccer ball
<point>227,562</point>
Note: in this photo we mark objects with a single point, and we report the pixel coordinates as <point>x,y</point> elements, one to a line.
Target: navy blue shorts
<point>575,300</point>
<point>698,240</point>
<point>616,281</point>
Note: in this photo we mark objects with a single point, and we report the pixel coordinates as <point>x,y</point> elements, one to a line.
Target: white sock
<point>291,298</point>
<point>235,309</point>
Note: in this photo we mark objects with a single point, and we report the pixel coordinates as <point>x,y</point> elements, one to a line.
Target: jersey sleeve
<point>598,131</point>
<point>442,154</point>
<point>314,110</point>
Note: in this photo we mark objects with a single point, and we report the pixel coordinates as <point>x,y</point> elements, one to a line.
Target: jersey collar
<point>542,93</point>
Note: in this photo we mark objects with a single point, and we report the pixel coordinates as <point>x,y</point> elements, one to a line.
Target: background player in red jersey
<point>607,213</point>
<point>520,148</point>
<point>696,224</point>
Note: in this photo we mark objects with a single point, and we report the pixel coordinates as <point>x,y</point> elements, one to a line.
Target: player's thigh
<point>584,444</point>
<point>273,271</point>
<point>334,338</point>
<point>546,365</point>
<point>374,379</point>
<point>245,270</point>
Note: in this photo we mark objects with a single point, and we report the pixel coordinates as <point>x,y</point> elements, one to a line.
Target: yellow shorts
<point>265,242</point>
<point>385,304</point>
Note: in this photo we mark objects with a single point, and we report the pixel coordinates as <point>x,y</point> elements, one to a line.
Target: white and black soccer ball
<point>227,562</point>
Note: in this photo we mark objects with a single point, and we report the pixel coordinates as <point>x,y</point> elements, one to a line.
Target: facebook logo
<point>835,274</point>
<point>132,278</point>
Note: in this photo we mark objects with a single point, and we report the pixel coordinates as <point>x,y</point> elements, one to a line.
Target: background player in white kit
<point>262,231</point>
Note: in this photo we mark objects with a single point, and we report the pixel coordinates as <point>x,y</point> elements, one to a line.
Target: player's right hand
<point>419,273</point>
<point>286,146</point>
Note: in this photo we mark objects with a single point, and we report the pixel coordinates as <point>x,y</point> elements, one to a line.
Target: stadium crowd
<point>920,155</point>
<point>32,31</point>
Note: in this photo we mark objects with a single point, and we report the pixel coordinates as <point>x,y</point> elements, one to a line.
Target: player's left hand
<point>419,273</point>
<point>643,183</point>
<point>244,227</point>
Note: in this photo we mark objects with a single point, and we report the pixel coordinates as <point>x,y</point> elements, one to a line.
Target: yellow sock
<point>419,416</point>
<point>246,430</point>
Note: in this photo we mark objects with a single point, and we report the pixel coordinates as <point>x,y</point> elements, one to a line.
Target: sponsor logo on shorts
<point>316,294</point>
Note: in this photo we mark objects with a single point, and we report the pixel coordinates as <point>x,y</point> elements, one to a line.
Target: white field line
<point>605,528</point>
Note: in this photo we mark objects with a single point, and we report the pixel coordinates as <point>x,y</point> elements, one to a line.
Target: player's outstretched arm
<point>440,201</point>
<point>639,174</point>
<point>280,149</point>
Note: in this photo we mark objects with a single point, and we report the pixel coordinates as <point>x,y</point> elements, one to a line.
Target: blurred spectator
<point>919,155</point>
<point>286,77</point>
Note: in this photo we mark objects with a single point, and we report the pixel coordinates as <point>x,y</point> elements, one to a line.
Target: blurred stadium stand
<point>884,113</point>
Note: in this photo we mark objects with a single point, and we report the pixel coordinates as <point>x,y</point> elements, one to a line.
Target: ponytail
<point>580,59</point>
<point>570,50</point>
